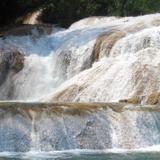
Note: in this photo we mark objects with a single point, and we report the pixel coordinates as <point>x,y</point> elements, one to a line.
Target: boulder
<point>11,60</point>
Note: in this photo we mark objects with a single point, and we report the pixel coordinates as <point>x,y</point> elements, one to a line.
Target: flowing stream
<point>60,89</point>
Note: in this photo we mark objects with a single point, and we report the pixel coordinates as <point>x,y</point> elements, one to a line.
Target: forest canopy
<point>65,12</point>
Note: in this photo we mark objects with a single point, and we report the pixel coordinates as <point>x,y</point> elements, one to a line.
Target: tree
<point>65,12</point>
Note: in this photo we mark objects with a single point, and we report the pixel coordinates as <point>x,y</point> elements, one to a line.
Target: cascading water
<point>98,59</point>
<point>49,127</point>
<point>130,69</point>
<point>50,60</point>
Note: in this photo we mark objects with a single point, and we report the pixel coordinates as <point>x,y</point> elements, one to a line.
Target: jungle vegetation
<point>65,12</point>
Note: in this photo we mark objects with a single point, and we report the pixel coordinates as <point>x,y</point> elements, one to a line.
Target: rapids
<point>101,59</point>
<point>60,88</point>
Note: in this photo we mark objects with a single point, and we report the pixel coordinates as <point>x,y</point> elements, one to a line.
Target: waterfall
<point>50,60</point>
<point>117,44</point>
<point>56,126</point>
<point>63,89</point>
<point>128,66</point>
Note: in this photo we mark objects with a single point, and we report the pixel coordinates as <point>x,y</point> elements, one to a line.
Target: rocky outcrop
<point>10,61</point>
<point>18,61</point>
<point>154,98</point>
<point>105,42</point>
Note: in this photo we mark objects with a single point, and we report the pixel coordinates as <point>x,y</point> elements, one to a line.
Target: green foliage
<point>65,12</point>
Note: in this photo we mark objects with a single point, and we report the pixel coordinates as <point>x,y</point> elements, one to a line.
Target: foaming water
<point>98,59</point>
<point>53,58</point>
<point>84,154</point>
<point>49,60</point>
<point>131,69</point>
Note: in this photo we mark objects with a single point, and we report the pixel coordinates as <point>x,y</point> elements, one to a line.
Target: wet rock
<point>154,98</point>
<point>48,128</point>
<point>18,61</point>
<point>10,61</point>
<point>53,126</point>
<point>13,60</point>
<point>105,43</point>
<point>26,29</point>
<point>133,100</point>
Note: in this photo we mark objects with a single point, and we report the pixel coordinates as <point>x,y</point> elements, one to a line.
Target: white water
<point>49,61</point>
<point>77,153</point>
<point>132,67</point>
<point>62,67</point>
